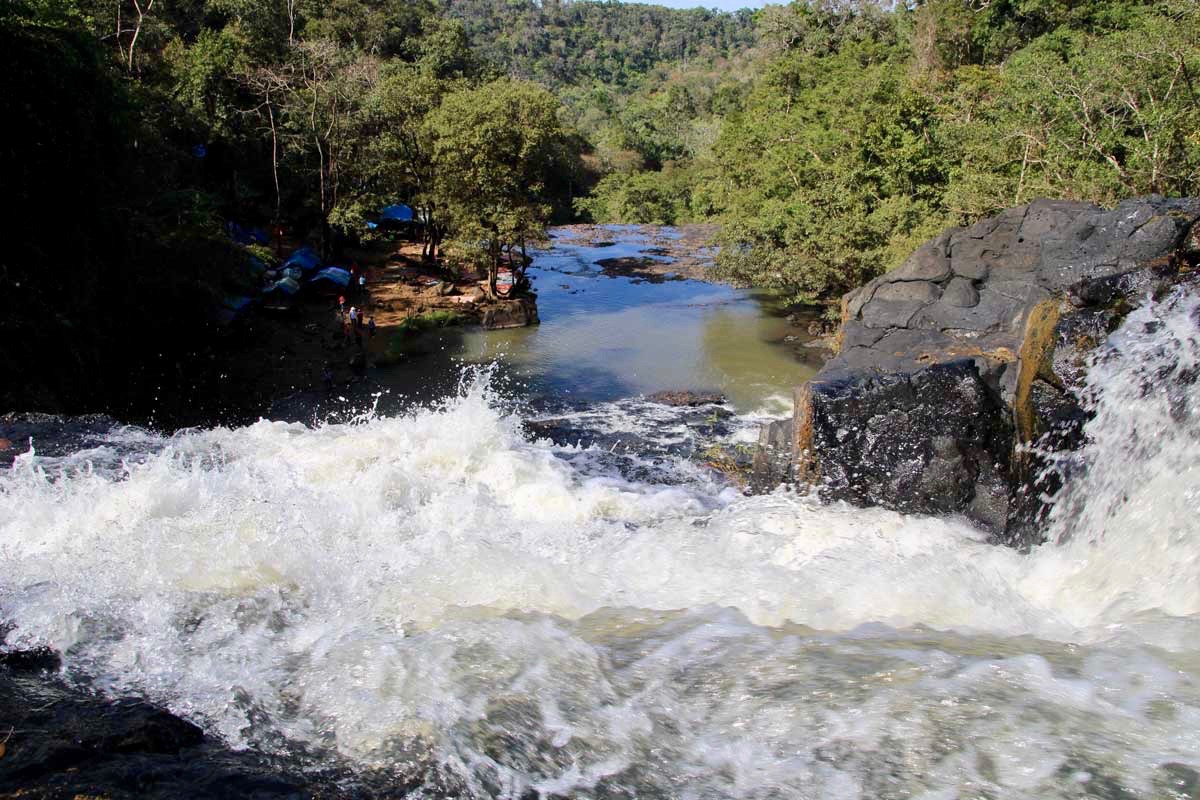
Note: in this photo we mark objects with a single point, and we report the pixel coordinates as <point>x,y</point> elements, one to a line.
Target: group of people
<point>355,322</point>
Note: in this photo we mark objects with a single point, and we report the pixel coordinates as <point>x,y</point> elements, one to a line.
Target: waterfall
<point>433,594</point>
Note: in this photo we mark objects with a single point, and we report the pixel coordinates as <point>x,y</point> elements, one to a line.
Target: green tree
<point>497,152</point>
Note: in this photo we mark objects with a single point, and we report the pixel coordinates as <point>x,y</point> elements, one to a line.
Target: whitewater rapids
<point>435,595</point>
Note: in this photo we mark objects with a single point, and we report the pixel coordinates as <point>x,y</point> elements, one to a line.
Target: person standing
<point>353,317</point>
<point>362,287</point>
<point>371,328</point>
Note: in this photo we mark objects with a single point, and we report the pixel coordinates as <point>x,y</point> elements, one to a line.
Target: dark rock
<point>961,292</point>
<point>41,659</point>
<point>892,305</point>
<point>61,741</point>
<point>772,463</point>
<point>921,440</point>
<point>686,398</point>
<point>972,349</point>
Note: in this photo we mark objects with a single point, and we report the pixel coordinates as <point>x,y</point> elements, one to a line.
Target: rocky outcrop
<point>60,740</point>
<point>518,312</point>
<point>970,349</point>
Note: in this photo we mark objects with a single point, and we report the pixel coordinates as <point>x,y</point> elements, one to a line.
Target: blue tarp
<point>393,213</point>
<point>397,213</point>
<point>334,275</point>
<point>305,258</point>
<point>284,285</point>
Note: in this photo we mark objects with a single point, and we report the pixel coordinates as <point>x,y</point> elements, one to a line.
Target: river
<point>435,594</point>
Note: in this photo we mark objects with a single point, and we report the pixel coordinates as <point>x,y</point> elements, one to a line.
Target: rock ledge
<point>972,348</point>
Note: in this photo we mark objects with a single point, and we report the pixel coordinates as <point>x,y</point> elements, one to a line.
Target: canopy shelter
<point>331,276</point>
<point>305,258</point>
<point>288,286</point>
<point>395,214</point>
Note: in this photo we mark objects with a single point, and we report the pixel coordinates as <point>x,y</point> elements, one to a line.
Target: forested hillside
<point>560,42</point>
<point>828,137</point>
<point>865,130</point>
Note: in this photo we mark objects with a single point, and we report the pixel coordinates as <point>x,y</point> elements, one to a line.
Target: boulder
<point>515,313</point>
<point>772,456</point>
<point>685,397</point>
<point>973,348</point>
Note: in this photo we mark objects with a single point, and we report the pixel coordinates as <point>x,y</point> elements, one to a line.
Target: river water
<point>440,598</point>
<point>605,337</point>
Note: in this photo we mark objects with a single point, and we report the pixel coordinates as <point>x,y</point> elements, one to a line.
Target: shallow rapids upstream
<point>436,597</point>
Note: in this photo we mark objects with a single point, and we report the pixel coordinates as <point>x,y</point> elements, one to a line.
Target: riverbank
<point>271,355</point>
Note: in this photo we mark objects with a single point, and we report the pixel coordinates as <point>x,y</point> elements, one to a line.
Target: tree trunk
<point>274,156</point>
<point>493,266</point>
<point>137,28</point>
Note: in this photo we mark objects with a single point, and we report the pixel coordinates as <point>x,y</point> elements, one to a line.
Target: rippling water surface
<point>606,337</point>
<point>436,596</point>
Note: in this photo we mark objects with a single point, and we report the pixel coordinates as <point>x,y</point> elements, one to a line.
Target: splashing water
<point>435,596</point>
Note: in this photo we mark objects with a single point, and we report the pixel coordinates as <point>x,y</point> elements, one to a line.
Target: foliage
<point>497,152</point>
<point>867,131</point>
<point>670,196</point>
<point>587,42</point>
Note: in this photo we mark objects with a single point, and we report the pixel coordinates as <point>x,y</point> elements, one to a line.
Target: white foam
<point>432,588</point>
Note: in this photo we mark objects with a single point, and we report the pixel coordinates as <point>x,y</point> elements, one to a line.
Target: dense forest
<point>863,130</point>
<point>828,137</point>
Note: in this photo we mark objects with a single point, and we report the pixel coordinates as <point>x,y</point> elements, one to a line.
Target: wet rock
<point>972,349</point>
<point>40,659</point>
<point>686,398</point>
<point>772,463</point>
<point>61,741</point>
<point>920,440</point>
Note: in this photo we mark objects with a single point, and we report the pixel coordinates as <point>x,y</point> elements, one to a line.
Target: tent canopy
<point>334,275</point>
<point>283,286</point>
<point>397,212</point>
<point>305,258</point>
